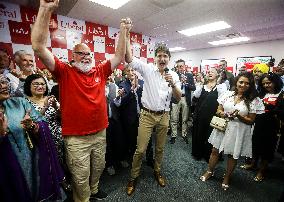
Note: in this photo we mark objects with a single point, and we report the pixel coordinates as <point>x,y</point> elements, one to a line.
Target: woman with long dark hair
<point>240,107</point>
<point>267,125</point>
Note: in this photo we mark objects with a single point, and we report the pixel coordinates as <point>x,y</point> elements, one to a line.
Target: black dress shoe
<point>172,140</point>
<point>66,186</point>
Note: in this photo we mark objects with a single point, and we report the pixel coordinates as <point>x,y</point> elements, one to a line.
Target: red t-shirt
<point>82,98</point>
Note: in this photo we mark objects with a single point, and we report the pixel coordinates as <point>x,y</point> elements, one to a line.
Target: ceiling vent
<point>164,4</point>
<point>230,36</point>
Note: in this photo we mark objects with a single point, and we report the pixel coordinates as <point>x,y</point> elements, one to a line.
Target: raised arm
<point>40,32</point>
<point>128,55</point>
<point>120,49</point>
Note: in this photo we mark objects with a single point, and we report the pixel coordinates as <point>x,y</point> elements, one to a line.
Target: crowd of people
<point>60,127</point>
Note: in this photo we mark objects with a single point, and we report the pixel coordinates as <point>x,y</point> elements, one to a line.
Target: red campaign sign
<point>250,65</point>
<point>194,69</point>
<point>135,38</point>
<point>150,60</point>
<point>88,40</point>
<point>8,47</point>
<point>99,58</point>
<point>58,38</point>
<point>20,32</point>
<point>29,16</point>
<point>96,29</point>
<point>143,51</point>
<point>230,69</point>
<point>110,45</point>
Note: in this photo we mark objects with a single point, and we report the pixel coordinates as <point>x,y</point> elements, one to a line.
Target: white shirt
<point>221,88</point>
<point>156,93</point>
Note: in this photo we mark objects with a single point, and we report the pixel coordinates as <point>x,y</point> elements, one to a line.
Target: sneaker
<point>185,139</point>
<point>100,195</point>
<point>173,140</point>
<point>124,164</point>
<point>111,170</point>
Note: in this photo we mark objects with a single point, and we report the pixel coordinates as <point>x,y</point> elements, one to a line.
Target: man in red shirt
<point>83,103</point>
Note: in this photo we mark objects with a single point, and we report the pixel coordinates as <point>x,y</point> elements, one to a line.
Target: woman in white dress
<point>240,107</point>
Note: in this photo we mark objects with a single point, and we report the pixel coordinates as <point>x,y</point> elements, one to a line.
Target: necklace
<point>237,99</point>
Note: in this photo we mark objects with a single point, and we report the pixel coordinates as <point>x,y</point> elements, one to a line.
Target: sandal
<point>225,187</point>
<point>206,176</point>
<point>258,178</point>
<point>247,166</point>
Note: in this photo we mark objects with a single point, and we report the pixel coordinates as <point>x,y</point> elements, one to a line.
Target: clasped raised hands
<point>49,4</point>
<point>126,23</point>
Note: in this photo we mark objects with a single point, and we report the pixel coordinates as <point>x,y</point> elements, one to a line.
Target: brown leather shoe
<point>131,186</point>
<point>160,179</point>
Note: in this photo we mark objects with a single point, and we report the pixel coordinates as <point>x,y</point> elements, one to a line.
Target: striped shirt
<point>156,93</point>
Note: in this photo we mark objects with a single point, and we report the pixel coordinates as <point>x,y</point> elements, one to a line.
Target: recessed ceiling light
<point>110,3</point>
<point>228,41</point>
<point>205,28</point>
<point>176,49</point>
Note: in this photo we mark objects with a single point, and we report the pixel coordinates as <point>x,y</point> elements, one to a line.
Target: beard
<point>83,67</point>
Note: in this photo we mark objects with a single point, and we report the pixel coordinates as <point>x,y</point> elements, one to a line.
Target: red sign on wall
<point>29,16</point>
<point>96,29</point>
<point>20,32</point>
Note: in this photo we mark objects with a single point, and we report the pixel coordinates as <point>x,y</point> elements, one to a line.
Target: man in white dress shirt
<point>160,84</point>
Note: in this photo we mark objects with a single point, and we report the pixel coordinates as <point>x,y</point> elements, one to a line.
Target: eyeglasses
<point>36,84</point>
<point>82,54</point>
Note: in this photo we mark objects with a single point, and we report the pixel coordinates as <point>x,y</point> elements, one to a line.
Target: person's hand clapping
<point>27,122</point>
<point>233,115</point>
<point>51,101</point>
<point>120,92</point>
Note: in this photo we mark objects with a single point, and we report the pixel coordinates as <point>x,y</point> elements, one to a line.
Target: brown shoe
<point>160,179</point>
<point>131,186</point>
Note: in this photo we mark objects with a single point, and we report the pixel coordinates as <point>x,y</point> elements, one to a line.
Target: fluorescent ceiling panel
<point>228,41</point>
<point>176,49</point>
<point>205,28</point>
<point>114,4</point>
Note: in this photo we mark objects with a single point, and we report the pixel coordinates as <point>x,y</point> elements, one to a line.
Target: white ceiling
<point>260,20</point>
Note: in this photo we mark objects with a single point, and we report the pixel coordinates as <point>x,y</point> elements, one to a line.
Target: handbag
<point>219,123</point>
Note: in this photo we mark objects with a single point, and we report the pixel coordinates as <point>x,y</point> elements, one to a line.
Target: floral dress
<point>237,139</point>
<point>51,115</point>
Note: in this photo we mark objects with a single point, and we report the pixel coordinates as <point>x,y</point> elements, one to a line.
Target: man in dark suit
<point>228,75</point>
<point>130,93</point>
<point>183,106</point>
